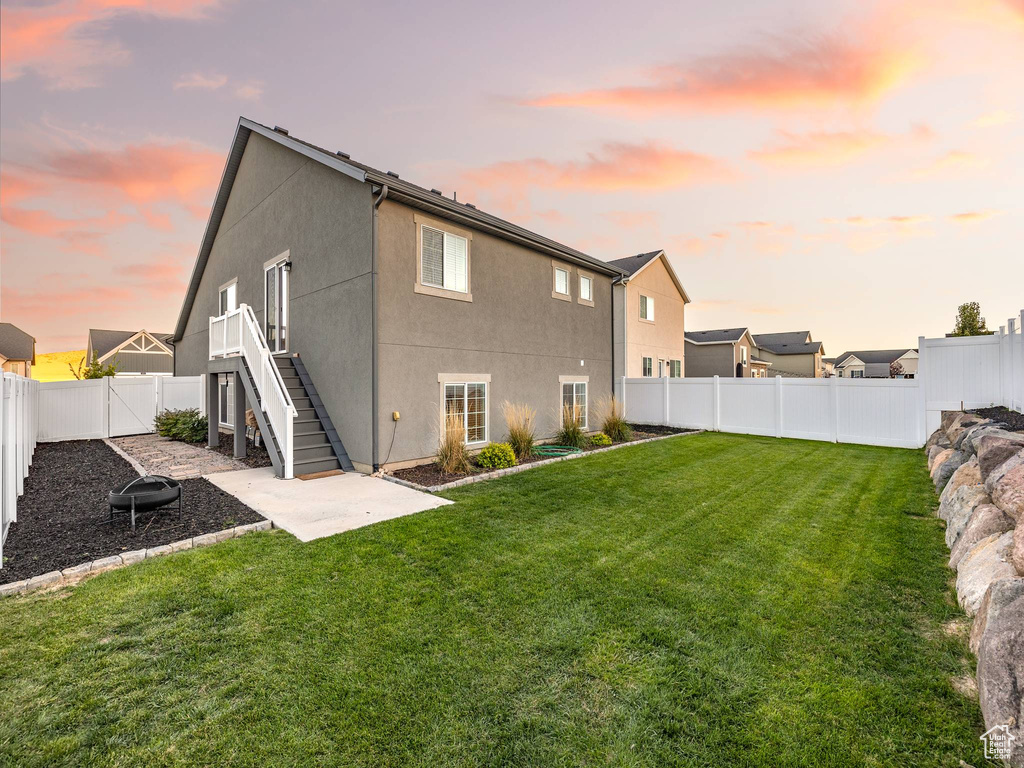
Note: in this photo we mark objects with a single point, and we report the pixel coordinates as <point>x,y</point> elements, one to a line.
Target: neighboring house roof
<point>719,336</point>
<point>398,190</point>
<point>872,356</point>
<point>788,343</point>
<point>634,265</point>
<point>15,344</point>
<point>758,360</point>
<point>829,360</point>
<point>103,342</point>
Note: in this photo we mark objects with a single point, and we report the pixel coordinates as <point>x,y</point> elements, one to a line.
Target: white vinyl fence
<point>112,406</point>
<point>869,411</point>
<point>973,371</point>
<point>18,414</point>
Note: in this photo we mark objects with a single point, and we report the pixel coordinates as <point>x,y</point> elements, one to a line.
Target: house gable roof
<point>788,343</point>
<point>15,344</point>
<point>634,265</point>
<point>398,190</point>
<point>106,342</point>
<point>718,336</point>
<point>872,356</point>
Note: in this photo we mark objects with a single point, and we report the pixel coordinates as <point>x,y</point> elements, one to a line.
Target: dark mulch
<point>429,475</point>
<point>1014,421</point>
<point>255,457</point>
<point>61,516</point>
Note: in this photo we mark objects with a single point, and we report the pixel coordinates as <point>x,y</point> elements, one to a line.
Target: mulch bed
<point>1014,421</point>
<point>429,475</point>
<point>61,516</point>
<point>255,456</point>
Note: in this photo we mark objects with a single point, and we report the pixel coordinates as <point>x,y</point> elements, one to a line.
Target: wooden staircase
<point>317,446</point>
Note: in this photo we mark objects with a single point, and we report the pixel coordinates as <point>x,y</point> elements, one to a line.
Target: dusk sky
<point>848,168</point>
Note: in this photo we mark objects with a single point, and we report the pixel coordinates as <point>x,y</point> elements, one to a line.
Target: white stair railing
<point>237,333</point>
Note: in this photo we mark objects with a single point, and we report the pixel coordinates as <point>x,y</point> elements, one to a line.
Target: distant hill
<point>53,366</point>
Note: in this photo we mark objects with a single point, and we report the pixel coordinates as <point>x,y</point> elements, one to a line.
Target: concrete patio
<point>311,509</point>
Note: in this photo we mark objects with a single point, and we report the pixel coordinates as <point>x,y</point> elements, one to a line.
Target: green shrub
<point>600,439</point>
<point>613,421</point>
<point>497,456</point>
<point>188,426</point>
<point>520,419</point>
<point>571,432</point>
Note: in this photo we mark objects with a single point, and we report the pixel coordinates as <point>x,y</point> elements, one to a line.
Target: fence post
<point>718,406</point>
<point>623,406</point>
<point>664,401</point>
<point>1018,386</point>
<point>833,406</point>
<point>922,395</point>
<point>106,405</point>
<point>10,454</point>
<point>778,406</point>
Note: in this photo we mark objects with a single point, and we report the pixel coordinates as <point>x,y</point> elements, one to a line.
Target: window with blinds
<point>444,260</point>
<point>647,366</point>
<point>675,369</point>
<point>468,401</point>
<point>574,399</point>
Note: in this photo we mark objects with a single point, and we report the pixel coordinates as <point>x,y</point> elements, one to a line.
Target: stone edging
<point>76,573</point>
<point>124,455</point>
<point>523,467</point>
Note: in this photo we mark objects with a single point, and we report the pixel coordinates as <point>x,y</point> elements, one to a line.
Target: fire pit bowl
<point>144,494</point>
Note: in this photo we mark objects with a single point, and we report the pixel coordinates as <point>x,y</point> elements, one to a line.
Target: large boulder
<point>970,439</point>
<point>986,520</point>
<point>994,449</point>
<point>1001,663</point>
<point>986,563</point>
<point>958,510</point>
<point>1017,554</point>
<point>947,419</point>
<point>936,456</point>
<point>945,470</point>
<point>1008,488</point>
<point>967,473</point>
<point>961,424</point>
<point>938,437</point>
<point>967,430</point>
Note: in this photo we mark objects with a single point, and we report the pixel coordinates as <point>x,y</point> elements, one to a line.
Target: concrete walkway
<point>310,509</point>
<point>162,456</point>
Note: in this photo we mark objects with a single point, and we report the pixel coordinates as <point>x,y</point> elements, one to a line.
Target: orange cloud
<point>53,38</point>
<point>867,221</point>
<point>825,148</point>
<point>794,73</point>
<point>952,164</point>
<point>972,217</point>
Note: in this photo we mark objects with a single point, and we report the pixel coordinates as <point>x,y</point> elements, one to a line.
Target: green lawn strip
<point>706,600</point>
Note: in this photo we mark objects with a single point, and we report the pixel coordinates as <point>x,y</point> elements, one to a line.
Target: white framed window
<point>647,366</point>
<point>743,355</point>
<point>675,369</point>
<point>856,374</point>
<point>586,289</point>
<point>467,399</point>
<point>646,308</point>
<point>661,368</point>
<point>275,302</point>
<point>574,399</point>
<point>226,386</point>
<point>444,260</point>
<point>228,297</point>
<point>560,281</point>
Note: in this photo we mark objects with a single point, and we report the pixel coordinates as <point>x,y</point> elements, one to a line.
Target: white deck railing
<point>237,333</point>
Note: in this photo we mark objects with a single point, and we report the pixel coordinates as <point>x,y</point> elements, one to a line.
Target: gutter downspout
<point>374,359</point>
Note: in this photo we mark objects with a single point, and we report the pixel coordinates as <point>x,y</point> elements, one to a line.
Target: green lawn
<point>709,600</point>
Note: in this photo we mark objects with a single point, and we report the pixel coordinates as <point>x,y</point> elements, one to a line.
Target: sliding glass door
<point>275,305</point>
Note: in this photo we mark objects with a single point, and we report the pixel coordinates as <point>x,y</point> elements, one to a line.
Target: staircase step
<point>310,466</point>
<point>322,451</point>
<point>304,439</point>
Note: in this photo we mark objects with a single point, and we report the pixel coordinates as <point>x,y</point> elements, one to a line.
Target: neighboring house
<point>875,363</point>
<point>793,353</point>
<point>17,350</point>
<point>386,307</point>
<point>650,305</point>
<point>828,365</point>
<point>723,352</point>
<point>135,353</point>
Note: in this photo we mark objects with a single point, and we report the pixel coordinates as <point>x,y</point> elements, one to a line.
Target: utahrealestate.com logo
<point>998,742</point>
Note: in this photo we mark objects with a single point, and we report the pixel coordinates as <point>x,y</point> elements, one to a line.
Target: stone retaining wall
<point>978,470</point>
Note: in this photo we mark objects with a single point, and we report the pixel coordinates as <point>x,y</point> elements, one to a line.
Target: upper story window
<point>646,308</point>
<point>743,355</point>
<point>443,266</point>
<point>559,281</point>
<point>586,292</point>
<point>228,297</point>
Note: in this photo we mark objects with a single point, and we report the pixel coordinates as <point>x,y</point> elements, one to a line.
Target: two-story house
<point>360,311</point>
<point>792,353</point>
<point>728,352</point>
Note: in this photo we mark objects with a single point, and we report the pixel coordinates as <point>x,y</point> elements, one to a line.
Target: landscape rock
<point>937,437</point>
<point>1005,593</point>
<point>960,424</point>
<point>986,563</point>
<point>77,571</point>
<point>946,469</point>
<point>957,512</point>
<point>967,430</point>
<point>163,549</point>
<point>13,587</point>
<point>937,459</point>
<point>967,473</point>
<point>993,450</point>
<point>947,419</point>
<point>44,580</point>
<point>1017,555</point>
<point>1001,664</point>
<point>986,520</point>
<point>180,546</point>
<point>969,443</point>
<point>135,556</point>
<point>204,540</point>
<point>106,563</point>
<point>263,525</point>
<point>1008,489</point>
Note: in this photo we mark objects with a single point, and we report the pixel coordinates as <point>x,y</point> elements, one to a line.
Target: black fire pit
<point>144,494</point>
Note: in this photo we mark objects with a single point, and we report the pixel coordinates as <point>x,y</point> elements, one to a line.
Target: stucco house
<point>875,363</point>
<point>357,310</point>
<point>650,307</point>
<point>723,352</point>
<point>793,353</point>
<point>17,350</point>
<point>135,353</point>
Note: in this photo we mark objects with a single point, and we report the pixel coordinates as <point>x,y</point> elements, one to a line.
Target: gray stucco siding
<point>709,360</point>
<point>141,362</point>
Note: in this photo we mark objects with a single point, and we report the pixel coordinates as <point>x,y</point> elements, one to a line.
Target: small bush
<point>497,456</point>
<point>188,426</point>
<point>571,432</point>
<point>600,439</point>
<point>452,456</point>
<point>520,420</point>
<point>613,420</point>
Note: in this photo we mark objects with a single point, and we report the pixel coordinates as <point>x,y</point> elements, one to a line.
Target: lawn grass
<point>710,600</point>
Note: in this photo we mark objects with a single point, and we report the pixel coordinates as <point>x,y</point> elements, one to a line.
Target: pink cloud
<point>953,164</point>
<point>633,219</point>
<point>829,148</point>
